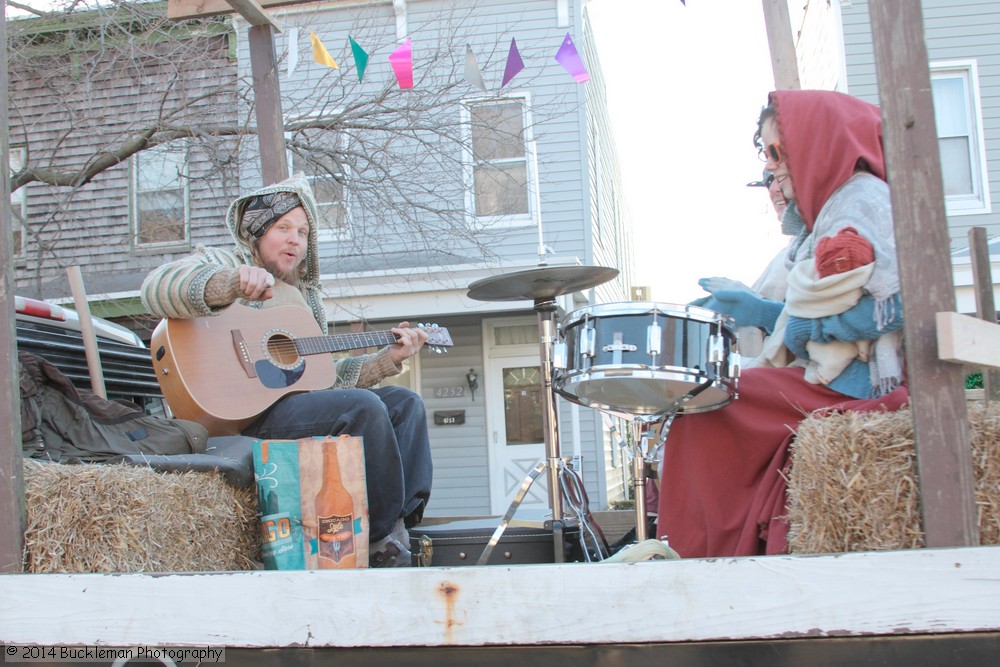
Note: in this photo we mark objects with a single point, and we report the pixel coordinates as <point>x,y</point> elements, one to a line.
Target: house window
<point>329,191</point>
<point>500,161</point>
<point>18,203</point>
<point>955,86</point>
<point>318,162</point>
<point>160,194</point>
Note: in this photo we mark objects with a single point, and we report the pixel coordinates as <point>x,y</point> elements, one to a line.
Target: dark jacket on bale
<point>62,423</point>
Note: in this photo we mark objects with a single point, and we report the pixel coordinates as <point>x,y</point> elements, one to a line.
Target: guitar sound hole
<point>281,350</point>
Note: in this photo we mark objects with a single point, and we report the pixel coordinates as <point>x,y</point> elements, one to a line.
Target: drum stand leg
<point>640,460</point>
<point>569,484</point>
<point>639,495</point>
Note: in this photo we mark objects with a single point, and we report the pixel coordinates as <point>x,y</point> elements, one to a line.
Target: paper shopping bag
<point>313,503</point>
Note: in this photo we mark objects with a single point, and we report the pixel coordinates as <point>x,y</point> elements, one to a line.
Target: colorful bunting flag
<point>402,63</point>
<point>472,73</point>
<point>320,54</point>
<point>570,59</point>
<point>360,58</point>
<point>514,63</point>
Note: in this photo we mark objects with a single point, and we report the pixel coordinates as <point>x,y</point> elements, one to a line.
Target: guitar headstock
<point>438,338</point>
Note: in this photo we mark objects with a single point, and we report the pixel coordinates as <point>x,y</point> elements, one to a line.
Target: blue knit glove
<point>798,332</point>
<point>718,284</point>
<point>748,309</point>
<point>703,302</point>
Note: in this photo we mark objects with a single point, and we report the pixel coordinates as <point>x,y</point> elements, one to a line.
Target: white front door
<point>514,418</point>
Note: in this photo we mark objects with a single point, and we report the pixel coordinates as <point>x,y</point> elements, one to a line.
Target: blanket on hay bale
<point>122,518</point>
<point>853,483</point>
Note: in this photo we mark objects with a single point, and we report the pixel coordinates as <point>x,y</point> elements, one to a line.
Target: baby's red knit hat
<point>845,251</point>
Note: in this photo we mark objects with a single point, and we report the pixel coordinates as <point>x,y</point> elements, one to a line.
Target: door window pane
<point>515,334</point>
<point>522,405</point>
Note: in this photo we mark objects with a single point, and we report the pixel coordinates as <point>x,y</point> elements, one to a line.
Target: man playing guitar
<point>275,264</point>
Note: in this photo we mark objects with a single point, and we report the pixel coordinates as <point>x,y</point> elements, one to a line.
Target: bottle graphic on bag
<point>334,516</point>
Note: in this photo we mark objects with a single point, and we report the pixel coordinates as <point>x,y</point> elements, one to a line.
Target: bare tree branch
<point>91,89</point>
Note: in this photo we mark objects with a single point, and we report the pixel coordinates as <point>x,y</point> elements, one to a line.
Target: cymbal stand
<point>543,285</point>
<point>546,309</point>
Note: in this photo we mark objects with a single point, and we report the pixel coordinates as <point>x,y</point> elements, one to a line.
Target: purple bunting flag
<point>514,64</point>
<point>569,58</point>
<point>402,63</point>
<point>472,73</point>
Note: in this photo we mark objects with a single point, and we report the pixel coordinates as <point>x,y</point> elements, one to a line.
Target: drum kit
<point>643,361</point>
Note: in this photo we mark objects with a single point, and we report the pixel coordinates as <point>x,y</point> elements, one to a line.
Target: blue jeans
<point>393,424</point>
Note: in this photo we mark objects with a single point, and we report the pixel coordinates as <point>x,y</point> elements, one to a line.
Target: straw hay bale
<point>853,484</point>
<point>122,518</point>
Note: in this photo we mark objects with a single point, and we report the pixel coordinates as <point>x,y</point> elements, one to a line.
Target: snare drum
<point>640,358</point>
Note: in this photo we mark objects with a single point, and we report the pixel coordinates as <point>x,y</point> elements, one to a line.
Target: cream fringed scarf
<point>863,203</point>
<point>811,296</point>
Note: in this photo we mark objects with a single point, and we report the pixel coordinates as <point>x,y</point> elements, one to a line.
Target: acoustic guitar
<point>224,371</point>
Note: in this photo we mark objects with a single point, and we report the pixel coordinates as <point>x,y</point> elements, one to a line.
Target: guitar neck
<point>341,342</point>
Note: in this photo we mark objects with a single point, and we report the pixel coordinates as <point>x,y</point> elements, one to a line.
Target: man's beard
<point>290,277</point>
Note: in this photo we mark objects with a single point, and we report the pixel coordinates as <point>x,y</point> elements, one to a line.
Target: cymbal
<point>541,283</point>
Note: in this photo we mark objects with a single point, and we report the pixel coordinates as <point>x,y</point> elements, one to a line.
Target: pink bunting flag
<point>514,64</point>
<point>569,58</point>
<point>402,63</point>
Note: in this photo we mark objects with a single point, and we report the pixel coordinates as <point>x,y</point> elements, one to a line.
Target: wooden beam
<point>968,340</point>
<point>982,284</point>
<point>914,592</point>
<point>254,13</point>
<point>784,62</point>
<point>12,514</point>
<point>267,105</point>
<point>193,9</point>
<point>944,457</point>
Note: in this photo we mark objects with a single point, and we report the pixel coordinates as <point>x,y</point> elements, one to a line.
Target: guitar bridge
<point>243,353</point>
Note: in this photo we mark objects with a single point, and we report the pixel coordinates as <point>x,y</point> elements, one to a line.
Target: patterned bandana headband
<point>263,211</point>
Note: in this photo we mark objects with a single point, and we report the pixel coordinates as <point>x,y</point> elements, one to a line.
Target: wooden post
<point>937,396</point>
<point>784,62</point>
<point>87,333</point>
<point>12,514</point>
<point>267,105</point>
<point>982,284</point>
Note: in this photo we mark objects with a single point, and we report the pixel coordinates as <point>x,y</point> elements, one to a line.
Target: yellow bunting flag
<point>320,54</point>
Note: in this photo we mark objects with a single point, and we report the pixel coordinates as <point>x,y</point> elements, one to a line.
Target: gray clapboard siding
<point>90,226</point>
<point>954,30</point>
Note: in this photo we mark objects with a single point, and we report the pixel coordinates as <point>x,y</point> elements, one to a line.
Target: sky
<point>685,85</point>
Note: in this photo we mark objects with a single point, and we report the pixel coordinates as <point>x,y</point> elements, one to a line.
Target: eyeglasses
<point>771,152</point>
<point>768,179</point>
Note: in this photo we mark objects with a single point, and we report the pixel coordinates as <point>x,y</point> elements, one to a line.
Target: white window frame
<point>18,200</point>
<point>323,233</point>
<point>530,157</point>
<point>979,201</point>
<point>135,165</point>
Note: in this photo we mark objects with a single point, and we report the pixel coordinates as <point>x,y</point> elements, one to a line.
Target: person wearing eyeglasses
<point>771,283</point>
<point>723,473</point>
